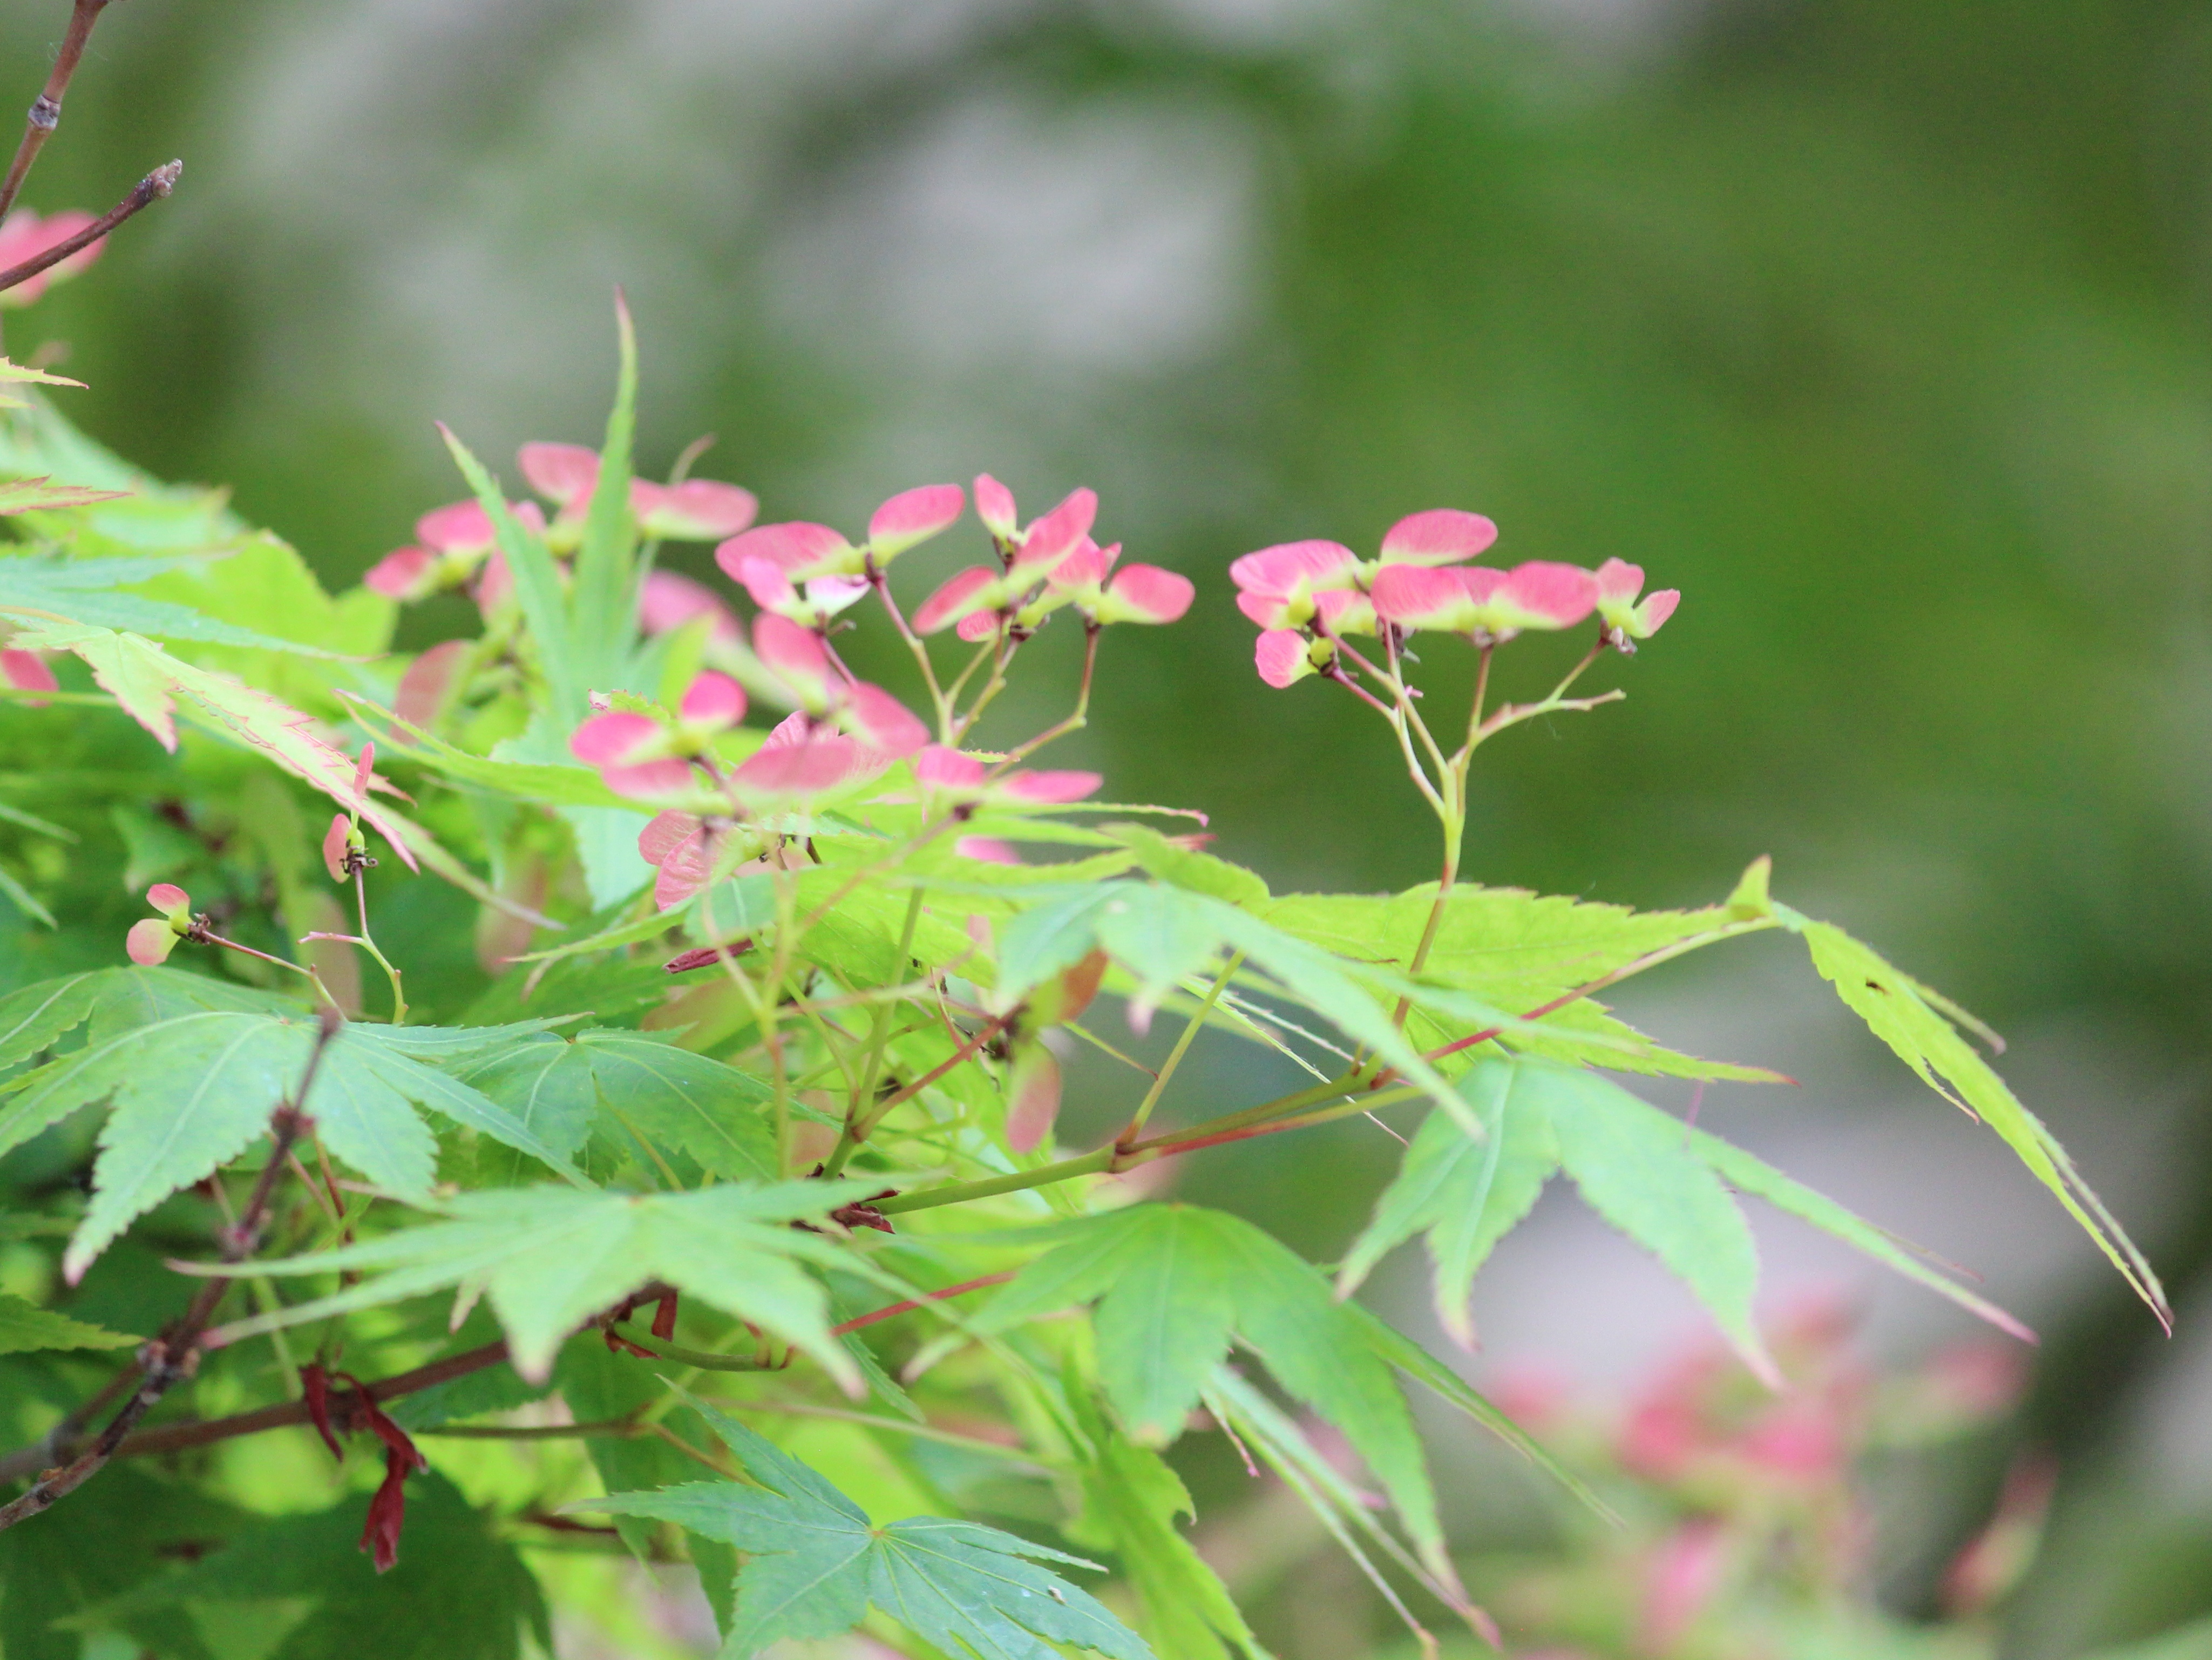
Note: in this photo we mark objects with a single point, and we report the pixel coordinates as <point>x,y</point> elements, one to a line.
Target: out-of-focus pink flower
<point>1145,594</point>
<point>987,850</point>
<point>1285,656</point>
<point>24,235</point>
<point>404,574</point>
<point>1476,598</point>
<point>1033,1091</point>
<point>912,517</point>
<point>683,847</point>
<point>1058,534</point>
<point>811,604</point>
<point>429,682</point>
<point>995,506</point>
<point>151,941</point>
<point>668,601</point>
<point>797,658</point>
<point>803,550</point>
<point>978,590</point>
<point>337,841</point>
<point>563,474</point>
<point>638,755</point>
<point>1802,1439</point>
<point>27,670</point>
<point>1275,586</point>
<point>1679,1581</point>
<point>952,775</point>
<point>1441,536</point>
<point>450,542</point>
<point>802,758</point>
<point>696,510</point>
<point>1626,621</point>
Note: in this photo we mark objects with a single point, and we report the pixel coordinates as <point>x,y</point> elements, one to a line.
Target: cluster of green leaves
<point>804,1140</point>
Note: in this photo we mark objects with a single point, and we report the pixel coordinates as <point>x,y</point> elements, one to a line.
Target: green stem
<point>881,1026</point>
<point>1129,1137</point>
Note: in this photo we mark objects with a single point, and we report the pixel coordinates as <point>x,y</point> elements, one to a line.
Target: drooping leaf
<point>1131,1501</point>
<point>1748,1174</point>
<point>149,684</point>
<point>549,1258</point>
<point>814,1566</point>
<point>1466,1195</point>
<point>26,1326</point>
<point>1635,1168</point>
<point>1912,1021</point>
<point>1173,1284</point>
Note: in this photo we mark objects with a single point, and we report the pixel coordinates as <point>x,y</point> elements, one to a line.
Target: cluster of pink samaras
<point>456,546</point>
<point>1308,597</point>
<point>842,731</point>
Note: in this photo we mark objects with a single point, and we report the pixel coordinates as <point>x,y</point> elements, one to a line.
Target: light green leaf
<point>537,586</point>
<point>1186,867</point>
<point>814,1566</point>
<point>26,1326</point>
<point>1131,1499</point>
<point>604,595</point>
<point>33,1018</point>
<point>549,1258</point>
<point>1153,932</point>
<point>555,783</point>
<point>546,1085</point>
<point>148,683</point>
<point>42,588</point>
<point>1751,1174</point>
<point>1468,1195</point>
<point>1635,1168</point>
<point>1057,930</point>
<point>1418,1364</point>
<point>1173,1284</point>
<point>712,1111</point>
<point>1909,1018</point>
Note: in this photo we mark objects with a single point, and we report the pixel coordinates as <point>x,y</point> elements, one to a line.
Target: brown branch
<point>47,108</point>
<point>176,1438</point>
<point>174,1356</point>
<point>151,189</point>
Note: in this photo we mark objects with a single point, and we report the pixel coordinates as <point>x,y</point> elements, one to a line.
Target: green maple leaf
<point>1921,1027</point>
<point>815,1565</point>
<point>549,1258</point>
<point>711,1111</point>
<point>1661,1181</point>
<point>25,1326</point>
<point>189,1094</point>
<point>1174,1284</point>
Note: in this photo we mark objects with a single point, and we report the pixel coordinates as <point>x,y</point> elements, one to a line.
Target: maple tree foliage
<point>634,953</point>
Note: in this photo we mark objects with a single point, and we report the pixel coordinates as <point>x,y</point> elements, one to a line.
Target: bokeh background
<point>1877,327</point>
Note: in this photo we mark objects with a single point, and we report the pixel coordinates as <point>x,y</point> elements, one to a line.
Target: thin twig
<point>47,108</point>
<point>148,190</point>
<point>172,1358</point>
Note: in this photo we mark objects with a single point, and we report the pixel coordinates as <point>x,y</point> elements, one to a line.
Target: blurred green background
<point>1877,327</point>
